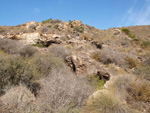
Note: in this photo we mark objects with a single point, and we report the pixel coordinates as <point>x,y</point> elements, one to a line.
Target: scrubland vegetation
<point>59,74</point>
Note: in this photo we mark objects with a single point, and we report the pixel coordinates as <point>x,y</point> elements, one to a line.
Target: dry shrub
<point>55,21</point>
<point>32,28</point>
<point>96,56</point>
<point>45,29</point>
<point>27,51</point>
<point>16,100</point>
<point>131,88</point>
<point>63,90</point>
<point>105,102</point>
<point>131,62</point>
<point>60,51</point>
<point>111,55</point>
<point>139,90</point>
<point>123,59</point>
<point>10,46</point>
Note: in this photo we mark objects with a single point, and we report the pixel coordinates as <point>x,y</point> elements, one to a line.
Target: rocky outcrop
<point>76,23</point>
<point>34,38</point>
<point>31,24</point>
<point>27,38</point>
<point>116,32</point>
<point>51,39</point>
<point>76,65</point>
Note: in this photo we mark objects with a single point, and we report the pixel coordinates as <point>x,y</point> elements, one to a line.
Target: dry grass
<point>105,102</point>
<point>131,89</point>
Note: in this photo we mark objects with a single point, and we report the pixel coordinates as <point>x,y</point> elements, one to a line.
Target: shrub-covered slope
<point>67,67</point>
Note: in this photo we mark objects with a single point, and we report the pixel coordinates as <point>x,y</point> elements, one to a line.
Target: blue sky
<point>101,14</point>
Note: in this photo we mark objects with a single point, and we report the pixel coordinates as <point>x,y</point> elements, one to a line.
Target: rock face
<point>27,38</point>
<point>76,64</point>
<point>30,38</point>
<point>51,39</point>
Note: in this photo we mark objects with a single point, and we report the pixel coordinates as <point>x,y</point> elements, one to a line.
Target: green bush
<point>145,43</point>
<point>70,22</point>
<point>47,21</point>
<point>56,26</point>
<point>14,70</point>
<point>135,39</point>
<point>79,29</point>
<point>39,45</point>
<point>95,82</point>
<point>51,21</point>
<point>45,63</point>
<point>127,32</point>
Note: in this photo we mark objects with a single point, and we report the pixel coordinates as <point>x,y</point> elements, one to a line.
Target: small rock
<point>116,32</point>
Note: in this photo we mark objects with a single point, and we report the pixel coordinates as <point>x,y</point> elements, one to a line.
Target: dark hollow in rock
<point>103,75</point>
<point>98,45</point>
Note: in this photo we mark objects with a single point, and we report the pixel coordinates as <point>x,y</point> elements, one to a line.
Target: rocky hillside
<point>68,67</point>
